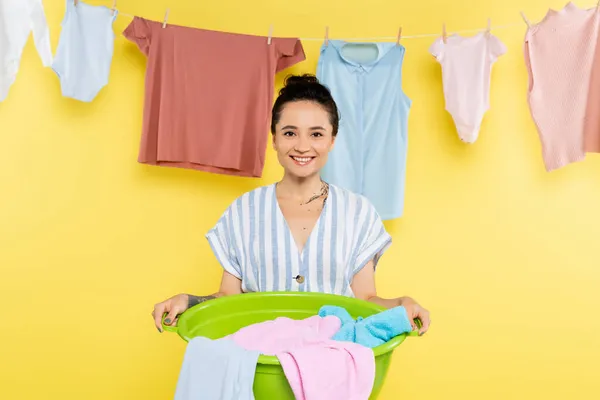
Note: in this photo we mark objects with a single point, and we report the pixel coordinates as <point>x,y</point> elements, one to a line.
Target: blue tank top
<point>369,155</point>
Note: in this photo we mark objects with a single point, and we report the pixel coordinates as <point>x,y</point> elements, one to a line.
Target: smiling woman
<point>300,234</point>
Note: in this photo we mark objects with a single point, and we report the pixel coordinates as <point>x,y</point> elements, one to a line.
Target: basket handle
<point>168,328</point>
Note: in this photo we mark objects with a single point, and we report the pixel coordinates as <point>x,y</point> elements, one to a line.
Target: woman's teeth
<point>302,160</point>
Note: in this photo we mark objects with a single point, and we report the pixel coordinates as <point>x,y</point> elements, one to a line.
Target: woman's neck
<point>300,189</point>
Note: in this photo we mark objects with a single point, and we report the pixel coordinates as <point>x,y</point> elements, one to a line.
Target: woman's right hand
<point>173,306</point>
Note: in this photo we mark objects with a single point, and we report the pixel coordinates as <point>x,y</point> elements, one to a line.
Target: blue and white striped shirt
<point>253,242</point>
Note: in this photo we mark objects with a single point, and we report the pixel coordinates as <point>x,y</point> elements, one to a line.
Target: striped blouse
<point>253,242</point>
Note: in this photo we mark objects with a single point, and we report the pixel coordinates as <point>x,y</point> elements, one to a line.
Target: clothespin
<point>444,35</point>
<point>166,18</point>
<point>525,19</point>
<point>114,7</point>
<point>76,2</point>
<point>489,27</point>
<point>270,35</point>
<point>399,36</point>
<point>326,36</point>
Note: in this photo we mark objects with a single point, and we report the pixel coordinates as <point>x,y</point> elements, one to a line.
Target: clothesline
<point>523,23</point>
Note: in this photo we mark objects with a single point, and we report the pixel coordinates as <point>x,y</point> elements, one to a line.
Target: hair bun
<point>306,79</point>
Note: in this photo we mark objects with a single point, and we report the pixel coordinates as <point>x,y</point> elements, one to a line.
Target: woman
<point>300,234</point>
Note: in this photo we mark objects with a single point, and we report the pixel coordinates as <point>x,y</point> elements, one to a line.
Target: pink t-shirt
<point>316,367</point>
<point>208,96</point>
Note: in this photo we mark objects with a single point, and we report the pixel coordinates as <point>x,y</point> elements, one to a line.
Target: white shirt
<point>17,19</point>
<point>253,242</point>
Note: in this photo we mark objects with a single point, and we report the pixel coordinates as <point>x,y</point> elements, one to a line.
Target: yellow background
<point>504,254</point>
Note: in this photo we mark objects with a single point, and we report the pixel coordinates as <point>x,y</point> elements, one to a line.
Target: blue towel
<point>372,331</point>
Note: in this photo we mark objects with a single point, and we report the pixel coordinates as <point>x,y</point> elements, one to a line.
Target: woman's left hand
<point>414,310</point>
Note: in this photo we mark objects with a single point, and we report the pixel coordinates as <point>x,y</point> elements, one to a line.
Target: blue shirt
<point>369,156</point>
<point>253,242</point>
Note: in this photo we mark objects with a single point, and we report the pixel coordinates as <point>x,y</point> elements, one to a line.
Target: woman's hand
<point>414,310</point>
<point>173,306</point>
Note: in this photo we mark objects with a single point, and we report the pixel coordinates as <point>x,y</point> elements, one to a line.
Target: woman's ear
<point>274,141</point>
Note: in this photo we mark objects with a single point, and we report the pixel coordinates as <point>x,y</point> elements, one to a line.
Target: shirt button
<point>300,279</point>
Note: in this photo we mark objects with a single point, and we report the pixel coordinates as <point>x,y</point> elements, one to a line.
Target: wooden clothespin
<point>270,35</point>
<point>399,36</point>
<point>114,7</point>
<point>444,35</point>
<point>326,36</point>
<point>166,18</point>
<point>489,27</point>
<point>525,19</point>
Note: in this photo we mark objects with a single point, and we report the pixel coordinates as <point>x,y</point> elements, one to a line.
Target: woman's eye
<point>288,133</point>
<point>317,134</point>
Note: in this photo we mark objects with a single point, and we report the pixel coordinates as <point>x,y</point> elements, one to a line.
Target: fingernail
<point>167,321</point>
<point>158,329</point>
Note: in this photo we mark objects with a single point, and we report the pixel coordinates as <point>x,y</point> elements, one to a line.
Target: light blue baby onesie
<point>369,156</point>
<point>85,50</point>
<point>216,370</point>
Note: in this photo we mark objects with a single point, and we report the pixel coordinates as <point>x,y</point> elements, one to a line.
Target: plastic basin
<point>226,315</point>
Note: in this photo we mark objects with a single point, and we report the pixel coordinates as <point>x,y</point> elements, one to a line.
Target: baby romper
<point>466,69</point>
<point>85,50</point>
<point>559,51</point>
<point>17,19</point>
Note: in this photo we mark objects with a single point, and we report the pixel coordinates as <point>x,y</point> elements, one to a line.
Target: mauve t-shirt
<point>208,96</point>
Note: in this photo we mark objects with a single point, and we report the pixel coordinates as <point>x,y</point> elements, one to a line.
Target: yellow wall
<point>503,253</point>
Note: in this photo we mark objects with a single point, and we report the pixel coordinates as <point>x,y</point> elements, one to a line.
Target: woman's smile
<point>302,161</point>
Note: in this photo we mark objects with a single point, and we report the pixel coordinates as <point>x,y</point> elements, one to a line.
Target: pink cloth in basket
<point>317,367</point>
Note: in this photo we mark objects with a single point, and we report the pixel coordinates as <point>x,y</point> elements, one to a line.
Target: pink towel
<point>317,368</point>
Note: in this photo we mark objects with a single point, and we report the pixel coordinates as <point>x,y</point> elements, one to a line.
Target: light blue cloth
<point>369,156</point>
<point>216,370</point>
<point>85,50</point>
<point>372,331</point>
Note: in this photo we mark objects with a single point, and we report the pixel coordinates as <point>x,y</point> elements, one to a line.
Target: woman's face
<point>303,138</point>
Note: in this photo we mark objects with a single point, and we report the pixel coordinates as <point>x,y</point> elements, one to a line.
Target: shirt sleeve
<point>41,33</point>
<point>373,240</point>
<point>290,52</point>
<point>437,49</point>
<point>139,32</point>
<point>222,242</point>
<point>496,48</point>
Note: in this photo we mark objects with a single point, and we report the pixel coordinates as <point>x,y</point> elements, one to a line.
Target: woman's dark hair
<point>305,88</point>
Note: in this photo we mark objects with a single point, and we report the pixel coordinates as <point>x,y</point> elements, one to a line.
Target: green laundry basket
<point>226,315</point>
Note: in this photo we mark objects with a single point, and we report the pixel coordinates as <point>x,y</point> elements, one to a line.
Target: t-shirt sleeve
<point>496,48</point>
<point>373,240</point>
<point>437,49</point>
<point>222,242</point>
<point>290,52</point>
<point>139,32</point>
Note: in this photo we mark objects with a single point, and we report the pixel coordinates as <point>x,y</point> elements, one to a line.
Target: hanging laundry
<point>371,331</point>
<point>316,367</point>
<point>369,157</point>
<point>85,50</point>
<point>466,70</point>
<point>216,370</point>
<point>18,18</point>
<point>591,129</point>
<point>208,96</point>
<point>559,52</point>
